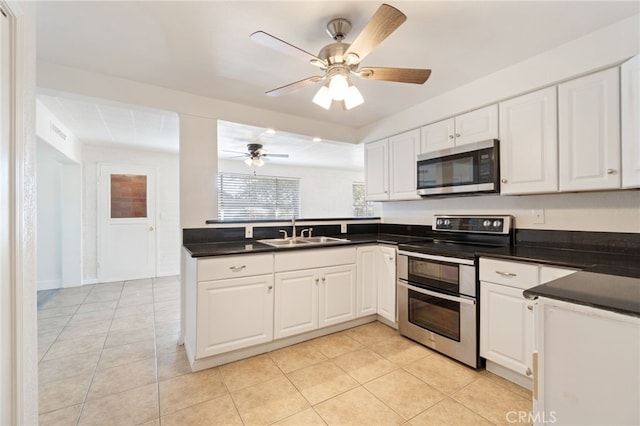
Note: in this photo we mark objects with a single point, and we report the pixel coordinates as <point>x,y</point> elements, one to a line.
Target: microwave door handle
<point>438,295</point>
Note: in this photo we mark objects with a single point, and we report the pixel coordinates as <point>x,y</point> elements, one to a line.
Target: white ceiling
<point>203,47</point>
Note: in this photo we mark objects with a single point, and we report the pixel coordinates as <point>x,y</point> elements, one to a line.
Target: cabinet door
<point>589,132</point>
<point>296,303</point>
<point>367,283</point>
<point>403,151</point>
<point>477,126</point>
<point>630,101</point>
<point>588,365</point>
<point>337,298</point>
<point>376,170</point>
<point>529,143</point>
<point>437,136</point>
<point>506,327</point>
<point>233,314</point>
<point>387,283</point>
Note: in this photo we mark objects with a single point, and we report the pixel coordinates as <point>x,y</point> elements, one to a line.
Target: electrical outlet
<point>343,228</point>
<point>248,231</point>
<point>538,216</point>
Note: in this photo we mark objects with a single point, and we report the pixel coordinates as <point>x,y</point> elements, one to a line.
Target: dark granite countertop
<point>253,246</point>
<point>606,280</point>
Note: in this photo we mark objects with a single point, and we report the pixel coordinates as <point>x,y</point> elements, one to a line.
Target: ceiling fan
<point>255,155</point>
<point>340,60</point>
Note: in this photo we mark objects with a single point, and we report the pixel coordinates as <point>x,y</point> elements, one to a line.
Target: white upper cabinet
<point>630,101</point>
<point>478,125</point>
<point>376,169</point>
<point>589,137</point>
<point>403,150</point>
<point>438,136</point>
<point>474,126</point>
<point>529,143</point>
<point>390,167</point>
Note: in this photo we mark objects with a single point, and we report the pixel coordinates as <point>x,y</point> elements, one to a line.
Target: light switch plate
<point>248,231</point>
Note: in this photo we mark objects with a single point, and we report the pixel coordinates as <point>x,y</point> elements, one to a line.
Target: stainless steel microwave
<point>462,170</point>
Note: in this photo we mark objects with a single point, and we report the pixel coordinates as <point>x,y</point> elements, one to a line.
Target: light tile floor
<point>108,355</point>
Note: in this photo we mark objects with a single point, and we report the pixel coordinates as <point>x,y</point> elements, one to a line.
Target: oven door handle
<point>438,295</point>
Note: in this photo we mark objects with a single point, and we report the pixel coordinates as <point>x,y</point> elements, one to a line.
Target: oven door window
<point>434,314</point>
<point>443,276</point>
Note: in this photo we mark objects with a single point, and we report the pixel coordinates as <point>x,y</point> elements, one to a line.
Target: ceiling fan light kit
<point>339,60</point>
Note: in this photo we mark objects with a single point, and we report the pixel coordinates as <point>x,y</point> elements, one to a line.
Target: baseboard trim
<point>49,284</point>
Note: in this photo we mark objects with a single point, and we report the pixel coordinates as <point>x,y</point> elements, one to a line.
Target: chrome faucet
<point>293,225</point>
<point>308,230</point>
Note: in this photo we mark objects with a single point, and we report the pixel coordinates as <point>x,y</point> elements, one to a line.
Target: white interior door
<point>126,223</point>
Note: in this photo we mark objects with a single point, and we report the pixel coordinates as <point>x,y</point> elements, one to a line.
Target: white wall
<point>49,219</point>
<point>324,192</point>
<point>167,198</point>
<point>59,203</point>
<point>617,211</point>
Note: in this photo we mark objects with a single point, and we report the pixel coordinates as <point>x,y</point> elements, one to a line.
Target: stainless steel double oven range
<point>437,282</point>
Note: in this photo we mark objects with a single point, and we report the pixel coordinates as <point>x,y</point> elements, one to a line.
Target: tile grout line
<point>155,348</point>
<point>86,395</point>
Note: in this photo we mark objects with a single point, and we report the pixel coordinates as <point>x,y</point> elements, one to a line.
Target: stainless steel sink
<point>302,241</point>
<point>324,240</point>
<point>286,242</point>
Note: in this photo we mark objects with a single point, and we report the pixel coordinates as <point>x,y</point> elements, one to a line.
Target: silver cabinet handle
<point>270,287</point>
<point>530,307</point>
<point>323,280</point>
<point>450,136</point>
<point>317,281</point>
<point>151,228</point>
<point>503,180</point>
<point>506,274</point>
<point>610,171</point>
<point>528,372</point>
<point>457,135</point>
<point>237,268</point>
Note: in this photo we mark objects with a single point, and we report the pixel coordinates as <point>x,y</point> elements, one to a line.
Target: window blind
<point>242,197</point>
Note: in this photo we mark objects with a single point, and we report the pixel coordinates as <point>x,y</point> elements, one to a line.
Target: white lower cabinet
<point>507,323</point>
<point>228,303</point>
<point>307,299</point>
<point>376,292</point>
<point>367,281</point>
<point>233,314</point>
<point>588,369</point>
<point>506,327</point>
<point>387,283</point>
<point>296,303</point>
<point>337,301</point>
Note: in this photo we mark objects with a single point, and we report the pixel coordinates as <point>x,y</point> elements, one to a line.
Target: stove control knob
<point>497,223</point>
<point>447,222</point>
<point>486,223</point>
<point>439,222</point>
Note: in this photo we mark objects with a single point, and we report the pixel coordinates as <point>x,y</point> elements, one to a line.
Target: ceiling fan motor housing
<point>338,28</point>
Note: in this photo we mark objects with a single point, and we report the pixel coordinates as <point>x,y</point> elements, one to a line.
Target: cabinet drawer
<point>234,266</point>
<point>514,274</point>
<point>308,259</point>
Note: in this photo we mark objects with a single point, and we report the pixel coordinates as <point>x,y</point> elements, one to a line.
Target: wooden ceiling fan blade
<point>295,86</point>
<point>399,75</point>
<point>282,46</point>
<point>385,21</point>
